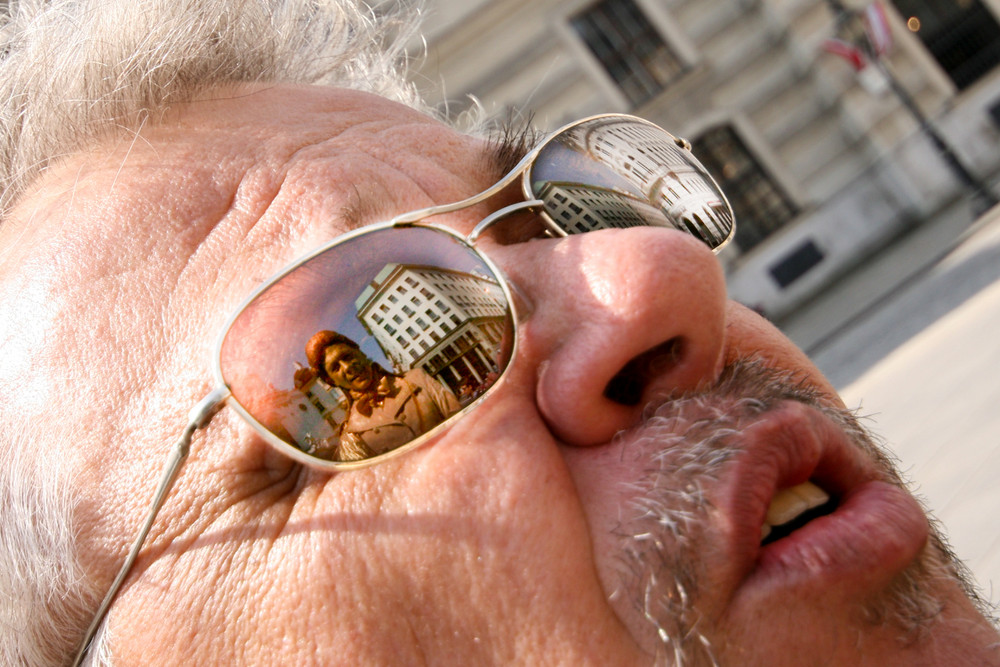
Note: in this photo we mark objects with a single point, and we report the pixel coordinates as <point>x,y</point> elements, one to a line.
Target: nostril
<point>627,386</point>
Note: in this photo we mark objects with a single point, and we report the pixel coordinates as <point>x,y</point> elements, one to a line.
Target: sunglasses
<point>373,344</point>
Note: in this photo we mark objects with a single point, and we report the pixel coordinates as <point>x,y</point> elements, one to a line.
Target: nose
<point>617,317</point>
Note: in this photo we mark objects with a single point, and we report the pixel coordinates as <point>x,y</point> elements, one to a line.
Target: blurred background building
<point>834,127</point>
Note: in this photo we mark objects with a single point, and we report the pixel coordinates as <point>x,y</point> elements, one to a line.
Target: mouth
<point>355,375</point>
<point>738,503</point>
<point>812,509</point>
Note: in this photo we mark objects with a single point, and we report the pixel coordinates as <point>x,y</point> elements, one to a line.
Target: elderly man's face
<point>529,532</point>
<point>348,367</point>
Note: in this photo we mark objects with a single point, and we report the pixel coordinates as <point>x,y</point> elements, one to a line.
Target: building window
<point>629,48</point>
<point>760,204</point>
<point>963,37</point>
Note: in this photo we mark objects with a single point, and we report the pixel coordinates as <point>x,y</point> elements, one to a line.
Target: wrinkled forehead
<point>194,150</point>
<point>134,253</point>
<point>295,162</point>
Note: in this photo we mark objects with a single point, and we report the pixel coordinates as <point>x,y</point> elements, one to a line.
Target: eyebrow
<point>508,142</point>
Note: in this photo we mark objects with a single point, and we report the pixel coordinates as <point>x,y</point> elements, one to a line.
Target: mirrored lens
<point>619,171</point>
<point>370,344</point>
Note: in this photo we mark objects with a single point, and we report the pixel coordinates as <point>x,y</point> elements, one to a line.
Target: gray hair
<point>75,70</point>
<point>72,71</point>
<point>43,591</point>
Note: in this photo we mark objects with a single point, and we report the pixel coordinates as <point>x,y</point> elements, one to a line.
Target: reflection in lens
<point>617,171</point>
<point>370,344</point>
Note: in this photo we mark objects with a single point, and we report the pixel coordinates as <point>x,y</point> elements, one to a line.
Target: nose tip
<point>620,317</point>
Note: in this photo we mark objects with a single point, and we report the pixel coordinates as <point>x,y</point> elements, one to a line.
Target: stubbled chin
<point>648,519</point>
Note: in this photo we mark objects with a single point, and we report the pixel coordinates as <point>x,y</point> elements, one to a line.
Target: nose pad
<point>620,317</point>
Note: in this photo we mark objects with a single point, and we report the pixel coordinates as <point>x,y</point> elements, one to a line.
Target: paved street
<point>924,366</point>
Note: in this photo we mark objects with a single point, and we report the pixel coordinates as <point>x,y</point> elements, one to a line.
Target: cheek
<point>750,335</point>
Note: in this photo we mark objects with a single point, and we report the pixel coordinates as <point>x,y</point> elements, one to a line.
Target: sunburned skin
<point>556,523</point>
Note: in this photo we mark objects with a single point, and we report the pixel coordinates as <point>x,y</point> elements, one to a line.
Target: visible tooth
<point>789,503</point>
<point>765,530</point>
<point>785,506</point>
<point>812,494</point>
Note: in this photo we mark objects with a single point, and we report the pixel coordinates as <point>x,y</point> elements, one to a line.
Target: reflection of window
<point>963,36</point>
<point>760,204</point>
<point>628,47</point>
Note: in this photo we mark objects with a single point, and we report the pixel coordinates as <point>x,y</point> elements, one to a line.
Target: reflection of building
<point>450,323</point>
<point>579,208</point>
<point>659,169</point>
<point>309,412</point>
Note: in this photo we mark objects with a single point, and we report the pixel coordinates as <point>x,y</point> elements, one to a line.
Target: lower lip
<point>876,531</point>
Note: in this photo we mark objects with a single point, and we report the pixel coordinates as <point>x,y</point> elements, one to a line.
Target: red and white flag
<point>879,36</point>
<point>849,52</point>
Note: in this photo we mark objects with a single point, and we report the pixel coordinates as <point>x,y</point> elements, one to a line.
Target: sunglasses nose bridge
<point>500,214</point>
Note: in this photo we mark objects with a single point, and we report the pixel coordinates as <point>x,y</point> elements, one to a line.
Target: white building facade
<point>449,323</point>
<point>823,163</point>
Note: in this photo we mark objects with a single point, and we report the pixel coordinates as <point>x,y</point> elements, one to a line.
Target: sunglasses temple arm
<point>197,419</point>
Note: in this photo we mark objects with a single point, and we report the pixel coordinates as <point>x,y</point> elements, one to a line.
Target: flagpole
<point>850,23</point>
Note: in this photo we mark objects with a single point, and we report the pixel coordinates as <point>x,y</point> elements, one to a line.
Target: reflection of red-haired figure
<point>386,410</point>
